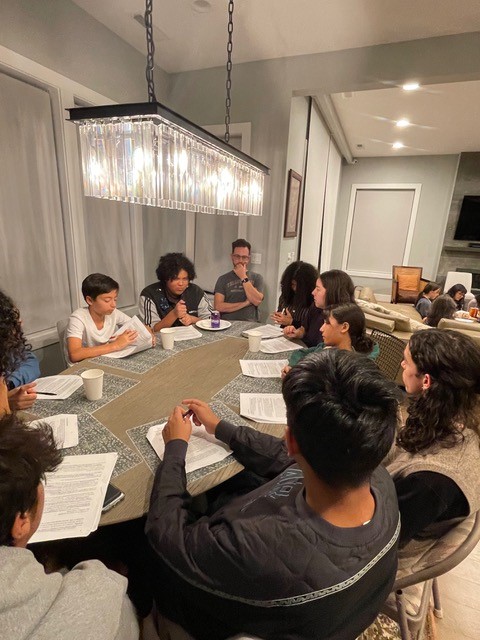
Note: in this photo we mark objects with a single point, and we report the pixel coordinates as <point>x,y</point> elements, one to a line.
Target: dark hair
<point>442,307</point>
<point>351,313</point>
<point>170,265</point>
<point>339,286</point>
<point>97,284</point>
<point>25,456</point>
<point>241,243</point>
<point>343,414</point>
<point>429,287</point>
<point>477,298</point>
<point>13,346</point>
<point>452,361</point>
<point>305,276</point>
<point>455,289</point>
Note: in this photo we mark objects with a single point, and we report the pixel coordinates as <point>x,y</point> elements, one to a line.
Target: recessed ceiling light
<point>402,123</point>
<point>201,6</point>
<point>411,86</point>
<point>397,145</point>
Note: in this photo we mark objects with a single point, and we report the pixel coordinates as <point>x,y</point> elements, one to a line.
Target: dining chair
<point>407,283</point>
<point>391,353</point>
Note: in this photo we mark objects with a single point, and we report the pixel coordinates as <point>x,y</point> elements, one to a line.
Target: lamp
<point>145,153</point>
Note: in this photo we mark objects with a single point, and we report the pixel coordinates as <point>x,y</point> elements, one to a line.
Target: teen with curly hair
<point>174,300</point>
<point>436,462</point>
<point>296,286</point>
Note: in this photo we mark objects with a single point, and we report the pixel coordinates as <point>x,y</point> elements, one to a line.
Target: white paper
<point>263,368</point>
<point>74,496</point>
<point>186,333</point>
<point>61,386</point>
<point>203,448</point>
<point>142,341</point>
<point>277,345</point>
<point>64,427</point>
<point>263,407</point>
<point>267,331</point>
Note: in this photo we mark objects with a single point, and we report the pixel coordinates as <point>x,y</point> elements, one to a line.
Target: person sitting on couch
<point>426,297</point>
<point>442,307</point>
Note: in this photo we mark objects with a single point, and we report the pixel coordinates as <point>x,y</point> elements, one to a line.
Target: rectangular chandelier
<point>146,154</point>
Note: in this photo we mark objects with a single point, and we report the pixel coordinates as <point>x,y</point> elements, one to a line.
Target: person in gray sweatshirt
<point>89,601</point>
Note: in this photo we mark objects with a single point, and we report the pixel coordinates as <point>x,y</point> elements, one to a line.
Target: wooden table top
<point>199,372</point>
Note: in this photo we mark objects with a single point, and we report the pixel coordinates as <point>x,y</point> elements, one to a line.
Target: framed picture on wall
<point>293,204</point>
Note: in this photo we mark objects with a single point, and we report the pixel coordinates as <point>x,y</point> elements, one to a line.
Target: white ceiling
<point>444,115</point>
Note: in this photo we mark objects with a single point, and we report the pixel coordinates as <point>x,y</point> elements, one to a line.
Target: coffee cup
<point>254,341</point>
<point>168,338</point>
<point>93,383</point>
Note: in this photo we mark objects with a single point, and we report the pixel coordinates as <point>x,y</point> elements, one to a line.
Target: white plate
<point>207,325</point>
<point>464,320</point>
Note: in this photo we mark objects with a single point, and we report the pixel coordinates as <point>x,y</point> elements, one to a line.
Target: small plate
<point>207,325</point>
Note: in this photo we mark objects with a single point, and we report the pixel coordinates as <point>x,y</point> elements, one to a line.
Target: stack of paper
<point>263,407</point>
<point>57,387</point>
<point>203,448</point>
<point>277,345</point>
<point>186,333</point>
<point>74,496</point>
<point>263,368</point>
<point>64,427</point>
<point>267,331</point>
<point>143,340</point>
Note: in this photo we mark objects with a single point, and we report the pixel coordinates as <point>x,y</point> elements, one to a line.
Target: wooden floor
<point>460,595</point>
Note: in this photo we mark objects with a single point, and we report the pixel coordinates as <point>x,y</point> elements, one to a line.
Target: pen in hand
<point>46,393</point>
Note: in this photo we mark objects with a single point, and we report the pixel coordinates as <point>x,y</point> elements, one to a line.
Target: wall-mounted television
<point>468,225</point>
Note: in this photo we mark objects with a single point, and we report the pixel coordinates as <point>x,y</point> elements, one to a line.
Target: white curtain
<point>33,265</point>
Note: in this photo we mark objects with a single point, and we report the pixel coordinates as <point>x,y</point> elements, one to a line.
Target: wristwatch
<point>245,280</point>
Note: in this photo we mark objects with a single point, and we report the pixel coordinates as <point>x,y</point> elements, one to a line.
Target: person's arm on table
<point>27,371</point>
<point>259,452</point>
<point>292,333</point>
<point>22,398</point>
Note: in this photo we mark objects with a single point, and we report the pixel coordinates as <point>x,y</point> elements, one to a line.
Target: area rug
<point>386,629</point>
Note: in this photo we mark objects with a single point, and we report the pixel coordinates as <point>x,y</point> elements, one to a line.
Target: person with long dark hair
<point>426,297</point>
<point>13,351</point>
<point>174,300</point>
<point>457,293</point>
<point>442,307</point>
<point>331,288</point>
<point>343,328</point>
<point>296,286</point>
<point>436,461</point>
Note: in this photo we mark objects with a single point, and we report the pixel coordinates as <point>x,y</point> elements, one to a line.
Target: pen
<point>47,393</point>
<point>188,413</point>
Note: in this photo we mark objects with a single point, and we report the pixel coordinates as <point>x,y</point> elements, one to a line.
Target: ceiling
<point>188,39</point>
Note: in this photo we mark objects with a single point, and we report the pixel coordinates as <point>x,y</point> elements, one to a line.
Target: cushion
<point>365,293</point>
<point>408,282</point>
<point>374,322</point>
<point>400,322</point>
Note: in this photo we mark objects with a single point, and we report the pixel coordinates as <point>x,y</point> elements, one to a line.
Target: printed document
<point>263,407</point>
<point>57,387</point>
<point>277,345</point>
<point>267,331</point>
<point>186,333</point>
<point>64,427</point>
<point>263,368</point>
<point>203,448</point>
<point>143,340</point>
<point>74,496</point>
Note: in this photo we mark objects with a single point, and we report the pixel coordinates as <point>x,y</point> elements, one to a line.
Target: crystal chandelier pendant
<point>149,155</point>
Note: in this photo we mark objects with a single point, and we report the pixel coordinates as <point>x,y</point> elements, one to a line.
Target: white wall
<point>436,174</point>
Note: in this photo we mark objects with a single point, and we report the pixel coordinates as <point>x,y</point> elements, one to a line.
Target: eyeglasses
<point>237,257</point>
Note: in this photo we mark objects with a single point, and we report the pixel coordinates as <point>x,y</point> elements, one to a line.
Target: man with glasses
<point>239,292</point>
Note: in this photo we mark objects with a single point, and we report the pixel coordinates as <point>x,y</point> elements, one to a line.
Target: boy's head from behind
<point>98,284</point>
<point>342,413</point>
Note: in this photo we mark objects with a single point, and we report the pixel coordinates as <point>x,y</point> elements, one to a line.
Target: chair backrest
<point>458,277</point>
<point>406,283</point>
<point>61,329</point>
<point>439,556</point>
<point>391,353</point>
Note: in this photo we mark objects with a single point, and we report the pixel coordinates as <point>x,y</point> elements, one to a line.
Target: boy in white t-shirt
<point>90,332</point>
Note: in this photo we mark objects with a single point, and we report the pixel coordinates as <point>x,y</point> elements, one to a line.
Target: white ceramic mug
<point>168,338</point>
<point>93,383</point>
<point>254,341</point>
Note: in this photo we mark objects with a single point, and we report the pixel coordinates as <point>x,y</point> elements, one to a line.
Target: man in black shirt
<point>311,553</point>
